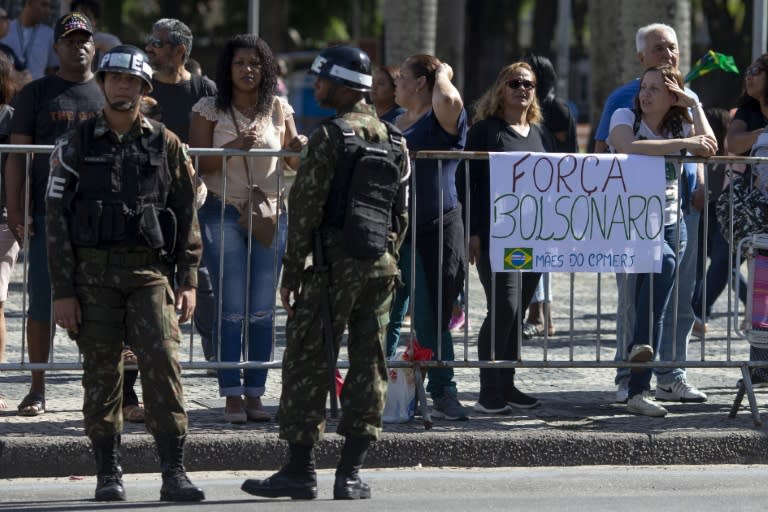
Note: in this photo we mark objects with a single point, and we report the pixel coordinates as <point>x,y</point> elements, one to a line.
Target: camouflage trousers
<point>135,305</point>
<point>362,304</point>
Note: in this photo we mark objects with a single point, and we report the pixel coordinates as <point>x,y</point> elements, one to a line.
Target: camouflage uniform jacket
<point>63,189</point>
<point>310,192</point>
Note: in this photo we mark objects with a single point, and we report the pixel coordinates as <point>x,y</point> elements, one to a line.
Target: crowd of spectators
<point>47,86</point>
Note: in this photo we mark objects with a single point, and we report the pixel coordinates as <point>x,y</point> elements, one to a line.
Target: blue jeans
<point>717,273</point>
<point>265,264</point>
<point>676,340</point>
<point>661,291</point>
<point>424,318</point>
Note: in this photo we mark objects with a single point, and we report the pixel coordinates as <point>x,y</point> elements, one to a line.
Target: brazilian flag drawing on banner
<point>710,62</point>
<point>518,258</point>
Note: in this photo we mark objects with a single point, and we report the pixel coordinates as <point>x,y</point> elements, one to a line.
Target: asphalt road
<point>601,488</point>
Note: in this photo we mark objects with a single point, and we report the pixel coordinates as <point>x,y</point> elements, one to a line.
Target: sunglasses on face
<point>154,42</point>
<point>521,84</point>
<point>754,71</point>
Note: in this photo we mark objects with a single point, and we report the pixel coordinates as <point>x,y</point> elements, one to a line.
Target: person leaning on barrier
<point>120,215</point>
<point>657,45</point>
<point>660,124</point>
<point>354,271</point>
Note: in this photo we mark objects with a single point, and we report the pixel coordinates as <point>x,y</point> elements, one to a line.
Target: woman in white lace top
<point>245,114</point>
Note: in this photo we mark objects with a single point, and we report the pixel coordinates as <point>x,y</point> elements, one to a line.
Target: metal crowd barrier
<point>550,356</point>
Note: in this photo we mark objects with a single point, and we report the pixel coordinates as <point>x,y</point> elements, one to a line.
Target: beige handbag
<point>263,215</point>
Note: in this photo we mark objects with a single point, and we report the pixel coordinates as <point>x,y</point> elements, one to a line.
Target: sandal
<point>532,330</point>
<point>3,403</point>
<point>32,405</point>
<point>133,413</point>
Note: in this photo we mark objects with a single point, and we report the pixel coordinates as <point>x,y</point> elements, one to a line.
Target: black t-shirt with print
<point>45,110</point>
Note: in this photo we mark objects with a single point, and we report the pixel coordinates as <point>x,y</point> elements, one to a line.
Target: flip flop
<point>3,403</point>
<point>32,405</point>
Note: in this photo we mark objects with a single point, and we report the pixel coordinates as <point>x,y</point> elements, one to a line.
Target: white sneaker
<point>679,391</point>
<point>622,393</point>
<point>642,403</point>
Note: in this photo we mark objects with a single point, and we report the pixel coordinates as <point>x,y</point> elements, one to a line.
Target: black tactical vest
<point>122,189</point>
<point>364,190</point>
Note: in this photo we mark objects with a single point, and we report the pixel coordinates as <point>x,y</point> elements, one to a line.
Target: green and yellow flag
<point>710,62</point>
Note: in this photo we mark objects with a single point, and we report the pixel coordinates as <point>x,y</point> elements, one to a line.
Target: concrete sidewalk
<point>578,422</point>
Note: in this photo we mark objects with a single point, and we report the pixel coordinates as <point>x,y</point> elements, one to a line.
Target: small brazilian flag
<point>710,62</point>
<point>518,258</point>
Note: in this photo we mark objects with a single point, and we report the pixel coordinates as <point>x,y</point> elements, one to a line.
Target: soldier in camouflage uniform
<point>120,215</point>
<point>359,292</point>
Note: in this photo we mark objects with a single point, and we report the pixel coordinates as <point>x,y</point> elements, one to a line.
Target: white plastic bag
<point>401,393</point>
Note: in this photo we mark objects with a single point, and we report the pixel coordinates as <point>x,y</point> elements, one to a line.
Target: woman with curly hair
<point>243,228</point>
<point>507,118</point>
<point>659,124</point>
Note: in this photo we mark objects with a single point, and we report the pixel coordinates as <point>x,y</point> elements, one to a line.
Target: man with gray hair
<point>174,88</point>
<point>656,45</point>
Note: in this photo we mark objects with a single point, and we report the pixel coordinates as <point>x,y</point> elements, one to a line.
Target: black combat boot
<point>109,479</point>
<point>348,485</point>
<point>176,485</point>
<point>296,480</point>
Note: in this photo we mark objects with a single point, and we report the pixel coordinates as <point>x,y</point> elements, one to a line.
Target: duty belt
<point>117,258</point>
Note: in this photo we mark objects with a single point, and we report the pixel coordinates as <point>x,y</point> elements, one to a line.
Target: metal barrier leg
<point>745,387</point>
<point>737,400</point>
<point>421,395</point>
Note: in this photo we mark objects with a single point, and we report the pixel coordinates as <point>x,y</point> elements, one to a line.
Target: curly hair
<point>673,119</point>
<point>490,105</point>
<point>268,84</point>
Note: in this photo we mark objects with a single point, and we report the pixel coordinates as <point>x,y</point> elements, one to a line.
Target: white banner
<point>555,212</point>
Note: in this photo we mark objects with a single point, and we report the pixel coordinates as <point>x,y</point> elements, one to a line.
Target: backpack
<point>750,206</point>
<point>364,191</point>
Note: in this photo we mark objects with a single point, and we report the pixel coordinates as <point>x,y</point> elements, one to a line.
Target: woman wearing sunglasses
<point>750,120</point>
<point>435,119</point>
<point>664,121</point>
<point>507,118</point>
<point>245,114</point>
<point>752,115</point>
